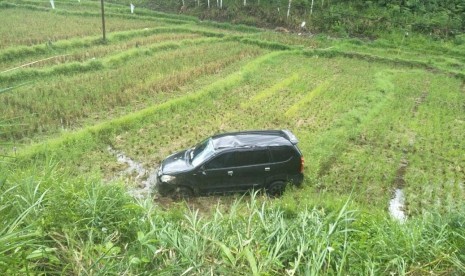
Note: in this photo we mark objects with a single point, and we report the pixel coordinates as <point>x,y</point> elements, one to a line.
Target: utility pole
<point>103,20</point>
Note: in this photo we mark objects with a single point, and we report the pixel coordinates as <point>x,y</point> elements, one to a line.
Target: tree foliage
<point>358,17</point>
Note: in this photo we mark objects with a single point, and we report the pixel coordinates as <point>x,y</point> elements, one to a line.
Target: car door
<point>285,163</point>
<point>215,175</point>
<point>252,167</point>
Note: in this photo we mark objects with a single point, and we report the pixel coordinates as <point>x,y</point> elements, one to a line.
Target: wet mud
<point>145,178</point>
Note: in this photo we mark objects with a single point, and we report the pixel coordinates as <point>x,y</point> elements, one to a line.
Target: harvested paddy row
<point>60,56</point>
<point>63,101</point>
<point>14,55</point>
<point>15,77</point>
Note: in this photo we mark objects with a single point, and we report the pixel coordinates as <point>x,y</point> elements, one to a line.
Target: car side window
<point>253,157</point>
<point>224,160</point>
<point>281,154</point>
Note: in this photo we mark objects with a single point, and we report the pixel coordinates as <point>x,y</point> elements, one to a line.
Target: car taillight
<point>302,164</point>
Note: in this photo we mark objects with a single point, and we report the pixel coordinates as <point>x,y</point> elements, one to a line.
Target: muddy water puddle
<point>146,178</point>
<point>396,206</point>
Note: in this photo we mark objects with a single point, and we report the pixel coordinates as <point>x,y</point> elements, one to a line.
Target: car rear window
<point>281,154</point>
<point>239,159</point>
<point>255,157</point>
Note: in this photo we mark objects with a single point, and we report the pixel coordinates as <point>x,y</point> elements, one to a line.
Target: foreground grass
<point>56,225</point>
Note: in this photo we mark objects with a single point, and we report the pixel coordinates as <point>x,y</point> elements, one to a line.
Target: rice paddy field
<point>372,118</point>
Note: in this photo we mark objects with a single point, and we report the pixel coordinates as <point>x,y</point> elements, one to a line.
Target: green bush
<point>55,225</point>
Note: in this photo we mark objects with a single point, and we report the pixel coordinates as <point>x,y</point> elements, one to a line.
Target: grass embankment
<point>369,120</point>
<point>53,224</point>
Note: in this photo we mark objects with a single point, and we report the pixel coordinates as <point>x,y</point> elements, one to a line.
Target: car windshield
<point>202,152</point>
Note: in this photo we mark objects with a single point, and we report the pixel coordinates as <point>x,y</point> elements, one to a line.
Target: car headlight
<point>167,178</point>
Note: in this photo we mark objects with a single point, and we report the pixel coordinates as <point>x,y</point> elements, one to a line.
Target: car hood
<point>176,163</point>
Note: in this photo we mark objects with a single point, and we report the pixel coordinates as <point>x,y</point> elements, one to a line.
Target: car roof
<point>255,138</point>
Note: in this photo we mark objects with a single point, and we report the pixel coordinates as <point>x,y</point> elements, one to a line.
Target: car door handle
<point>230,173</point>
<point>267,169</point>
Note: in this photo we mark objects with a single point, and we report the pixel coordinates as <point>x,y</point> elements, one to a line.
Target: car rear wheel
<point>182,193</point>
<point>276,189</point>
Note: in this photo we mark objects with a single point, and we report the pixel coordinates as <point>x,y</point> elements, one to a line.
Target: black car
<point>233,162</point>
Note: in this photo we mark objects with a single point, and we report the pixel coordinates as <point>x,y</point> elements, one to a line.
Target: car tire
<point>276,189</point>
<point>181,192</point>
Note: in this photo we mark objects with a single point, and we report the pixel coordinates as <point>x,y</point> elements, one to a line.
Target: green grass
<point>371,117</point>
<point>81,226</point>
